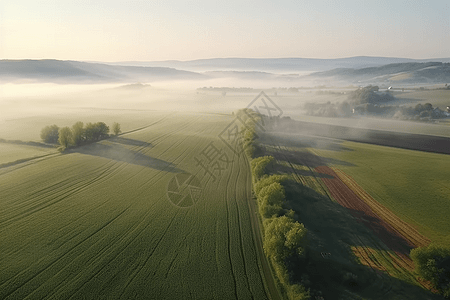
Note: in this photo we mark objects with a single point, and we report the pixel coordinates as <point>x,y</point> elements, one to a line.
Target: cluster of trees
<point>284,238</point>
<point>368,101</point>
<point>365,100</point>
<point>78,134</point>
<point>427,111</point>
<point>369,94</point>
<point>432,263</point>
<point>420,112</point>
<point>50,134</point>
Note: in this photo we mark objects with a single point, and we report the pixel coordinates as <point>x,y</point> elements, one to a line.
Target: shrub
<point>97,131</point>
<point>433,263</point>
<point>78,136</point>
<point>65,137</point>
<point>116,128</point>
<point>284,238</point>
<point>50,134</point>
<point>258,166</point>
<point>270,200</point>
<point>298,292</point>
<point>249,148</point>
<point>268,180</point>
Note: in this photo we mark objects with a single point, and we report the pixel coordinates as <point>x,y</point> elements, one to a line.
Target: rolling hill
<point>277,65</point>
<point>412,72</point>
<point>366,70</point>
<point>50,70</point>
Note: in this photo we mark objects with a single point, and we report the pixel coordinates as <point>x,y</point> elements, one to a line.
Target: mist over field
<point>303,95</point>
<point>288,150</point>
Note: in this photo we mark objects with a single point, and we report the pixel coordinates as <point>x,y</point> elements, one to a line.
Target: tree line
<point>78,134</point>
<point>284,238</point>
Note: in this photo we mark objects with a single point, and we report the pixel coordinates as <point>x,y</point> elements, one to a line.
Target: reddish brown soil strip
<point>364,254</point>
<point>403,228</point>
<point>364,213</point>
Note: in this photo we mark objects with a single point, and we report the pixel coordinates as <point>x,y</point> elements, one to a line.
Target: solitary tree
<point>116,128</point>
<point>49,134</point>
<point>65,137</point>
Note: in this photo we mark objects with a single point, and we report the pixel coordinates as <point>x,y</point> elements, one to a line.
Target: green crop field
<point>337,197</point>
<point>382,124</point>
<point>12,152</point>
<point>28,128</point>
<point>438,98</point>
<point>98,222</point>
<point>412,184</point>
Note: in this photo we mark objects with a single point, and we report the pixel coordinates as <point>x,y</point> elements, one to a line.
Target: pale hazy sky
<point>173,29</point>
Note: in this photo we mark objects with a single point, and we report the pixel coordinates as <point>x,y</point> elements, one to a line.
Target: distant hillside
<point>282,71</point>
<point>49,70</point>
<point>276,64</point>
<point>425,73</point>
<point>250,75</point>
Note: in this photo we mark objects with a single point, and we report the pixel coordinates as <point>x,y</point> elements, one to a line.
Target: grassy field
<point>382,124</point>
<point>29,128</point>
<point>438,98</point>
<point>97,222</point>
<point>412,184</point>
<point>364,205</point>
<point>12,152</point>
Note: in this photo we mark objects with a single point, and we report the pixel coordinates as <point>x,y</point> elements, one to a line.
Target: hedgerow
<point>284,238</point>
<point>258,166</point>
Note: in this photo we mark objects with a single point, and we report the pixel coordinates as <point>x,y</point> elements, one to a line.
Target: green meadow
<point>12,152</point>
<point>412,184</point>
<point>98,221</point>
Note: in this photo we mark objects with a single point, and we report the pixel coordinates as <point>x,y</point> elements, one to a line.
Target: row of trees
<point>78,134</point>
<point>284,238</point>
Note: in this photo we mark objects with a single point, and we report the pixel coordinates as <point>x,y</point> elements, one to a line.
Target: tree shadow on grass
<point>298,140</point>
<point>284,169</point>
<point>129,142</point>
<point>304,158</point>
<point>330,266</point>
<point>118,152</point>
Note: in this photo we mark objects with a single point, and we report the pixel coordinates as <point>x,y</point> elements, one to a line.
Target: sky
<point>138,30</point>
